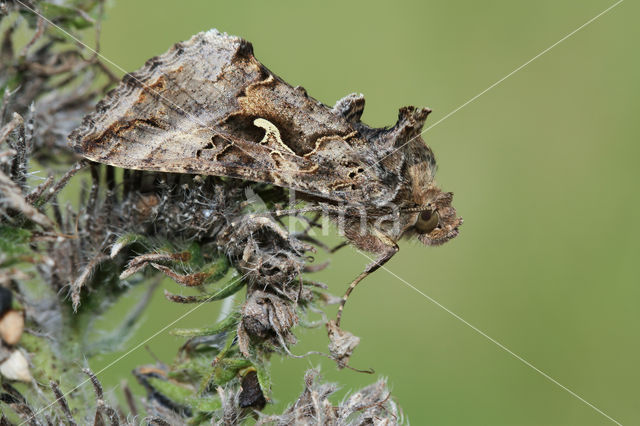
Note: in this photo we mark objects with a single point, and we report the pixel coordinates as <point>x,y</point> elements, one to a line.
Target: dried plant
<point>62,265</point>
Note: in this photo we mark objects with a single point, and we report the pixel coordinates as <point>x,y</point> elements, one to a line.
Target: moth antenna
<point>416,209</point>
<point>297,211</point>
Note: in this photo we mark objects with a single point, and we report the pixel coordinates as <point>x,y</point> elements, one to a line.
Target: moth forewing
<point>208,106</point>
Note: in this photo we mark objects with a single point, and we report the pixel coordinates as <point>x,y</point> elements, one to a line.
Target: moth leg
<point>386,249</point>
<point>338,247</point>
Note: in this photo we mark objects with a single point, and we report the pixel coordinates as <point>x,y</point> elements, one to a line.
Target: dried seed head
<point>251,395</point>
<point>371,405</point>
<point>269,317</point>
<point>341,343</point>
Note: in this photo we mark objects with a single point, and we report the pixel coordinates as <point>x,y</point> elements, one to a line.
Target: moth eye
<point>427,221</point>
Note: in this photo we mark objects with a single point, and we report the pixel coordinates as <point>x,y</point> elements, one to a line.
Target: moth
<point>209,107</point>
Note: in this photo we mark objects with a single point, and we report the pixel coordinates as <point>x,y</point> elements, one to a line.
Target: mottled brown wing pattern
<point>207,106</point>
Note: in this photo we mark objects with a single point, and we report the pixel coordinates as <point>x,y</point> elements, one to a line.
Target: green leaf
<point>227,369</point>
<point>227,324</point>
<point>14,242</point>
<point>126,240</point>
<point>206,404</point>
<point>64,16</point>
<point>173,391</point>
<point>264,377</point>
<point>193,369</point>
<point>232,287</point>
<point>197,260</point>
<point>216,270</point>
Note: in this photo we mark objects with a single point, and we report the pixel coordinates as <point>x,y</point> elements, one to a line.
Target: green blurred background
<point>544,168</point>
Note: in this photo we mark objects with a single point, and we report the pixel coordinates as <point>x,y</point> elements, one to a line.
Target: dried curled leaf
<point>341,343</point>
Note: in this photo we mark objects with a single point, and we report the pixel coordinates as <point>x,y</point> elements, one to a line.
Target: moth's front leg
<point>378,243</point>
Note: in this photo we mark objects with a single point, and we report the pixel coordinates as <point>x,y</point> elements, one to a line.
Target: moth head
<point>436,221</point>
